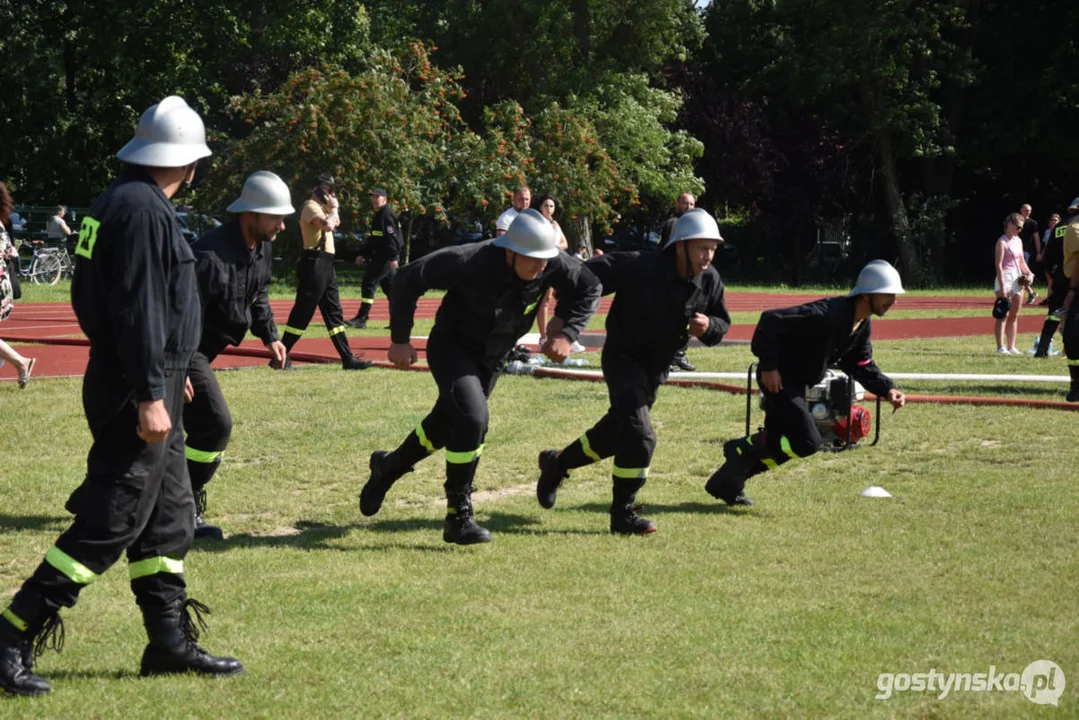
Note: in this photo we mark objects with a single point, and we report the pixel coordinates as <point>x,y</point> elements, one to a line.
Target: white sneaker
<point>1003,351</point>
<point>1014,351</point>
<point>577,347</point>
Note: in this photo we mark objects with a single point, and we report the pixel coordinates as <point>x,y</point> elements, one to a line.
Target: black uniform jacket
<point>802,342</point>
<point>653,304</point>
<point>1053,251</point>
<point>487,307</point>
<point>134,291</point>
<point>232,287</point>
<point>384,242</point>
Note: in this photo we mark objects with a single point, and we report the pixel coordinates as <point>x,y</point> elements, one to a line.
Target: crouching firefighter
<point>136,299</point>
<point>660,300</point>
<point>233,264</point>
<point>795,347</point>
<point>493,289</point>
<point>316,280</point>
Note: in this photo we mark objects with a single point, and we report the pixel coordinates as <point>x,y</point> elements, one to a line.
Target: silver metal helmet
<point>264,192</point>
<point>170,135</point>
<point>530,234</point>
<point>878,276</point>
<point>1074,205</point>
<point>695,224</point>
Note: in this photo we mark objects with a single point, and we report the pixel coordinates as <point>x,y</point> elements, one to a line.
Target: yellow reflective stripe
<point>639,473</point>
<point>201,456</point>
<point>337,330</point>
<point>531,307</point>
<point>369,301</point>
<point>588,449</point>
<point>15,620</point>
<point>1073,362</point>
<point>463,458</point>
<point>376,233</point>
<point>69,566</point>
<point>423,438</point>
<point>769,463</point>
<point>155,565</point>
<point>294,331</point>
<point>785,446</point>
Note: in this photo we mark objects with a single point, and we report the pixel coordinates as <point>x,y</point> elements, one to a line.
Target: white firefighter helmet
<point>878,276</point>
<point>264,192</point>
<point>693,225</point>
<point>170,135</point>
<point>530,234</point>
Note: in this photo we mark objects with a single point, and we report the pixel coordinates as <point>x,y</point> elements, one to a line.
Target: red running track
<point>64,350</point>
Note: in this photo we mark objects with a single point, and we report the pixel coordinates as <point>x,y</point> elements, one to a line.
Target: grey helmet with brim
<point>878,276</point>
<point>1074,206</point>
<point>170,135</point>
<point>531,235</point>
<point>264,192</point>
<point>694,224</point>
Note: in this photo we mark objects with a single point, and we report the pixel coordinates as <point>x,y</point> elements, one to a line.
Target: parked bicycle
<point>46,265</point>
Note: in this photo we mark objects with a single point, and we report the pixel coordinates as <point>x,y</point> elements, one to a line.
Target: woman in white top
<point>1012,275</point>
<point>547,205</point>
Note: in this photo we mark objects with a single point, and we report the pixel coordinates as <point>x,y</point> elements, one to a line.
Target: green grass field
<point>791,608</point>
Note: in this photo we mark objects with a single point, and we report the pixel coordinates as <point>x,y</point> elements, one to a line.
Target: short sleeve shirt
<point>506,219</point>
<point>313,234</point>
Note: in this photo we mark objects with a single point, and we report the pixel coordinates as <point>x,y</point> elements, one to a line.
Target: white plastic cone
<point>874,491</point>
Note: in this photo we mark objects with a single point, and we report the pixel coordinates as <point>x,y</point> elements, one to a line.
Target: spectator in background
<point>57,229</point>
<point>1012,276</point>
<point>522,198</point>
<point>547,206</point>
<point>1031,245</point>
<point>24,365</point>
<point>8,253</point>
<point>1042,259</point>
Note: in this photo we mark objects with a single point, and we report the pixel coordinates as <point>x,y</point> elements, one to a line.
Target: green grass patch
<point>788,609</point>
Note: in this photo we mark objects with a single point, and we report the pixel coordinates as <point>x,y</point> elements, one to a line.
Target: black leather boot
<point>728,482</point>
<point>551,477</point>
<point>461,527</point>
<point>624,517</point>
<point>681,362</point>
<point>385,470</point>
<point>360,321</point>
<point>17,653</point>
<point>349,361</point>
<point>174,644</point>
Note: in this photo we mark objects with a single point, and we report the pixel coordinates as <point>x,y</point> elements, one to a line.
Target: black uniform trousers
<point>316,286</point>
<point>626,430</point>
<point>378,273</point>
<point>136,497</point>
<point>1070,332</point>
<point>1052,322</point>
<point>459,419</point>
<point>789,428</point>
<point>207,421</point>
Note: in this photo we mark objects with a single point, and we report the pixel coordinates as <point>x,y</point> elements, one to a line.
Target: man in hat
<point>316,281</point>
<point>136,299</point>
<point>795,347</point>
<point>660,300</point>
<point>381,252</point>
<point>234,266</point>
<point>493,290</point>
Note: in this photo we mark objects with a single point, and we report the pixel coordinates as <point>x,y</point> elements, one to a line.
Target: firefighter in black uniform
<point>795,347</point>
<point>493,292</point>
<point>1053,262</point>
<point>660,301</point>
<point>381,252</point>
<point>1070,305</point>
<point>135,296</point>
<point>233,264</point>
<point>316,281</point>
<point>685,202</point>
